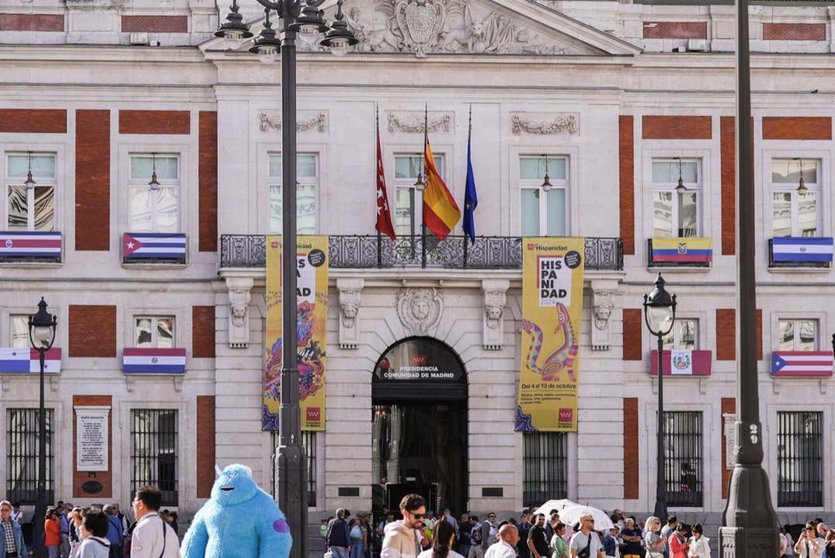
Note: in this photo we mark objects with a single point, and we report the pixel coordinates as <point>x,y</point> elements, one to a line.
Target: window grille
<point>545,466</point>
<point>799,459</point>
<point>154,450</point>
<point>309,445</point>
<point>22,455</point>
<point>683,461</point>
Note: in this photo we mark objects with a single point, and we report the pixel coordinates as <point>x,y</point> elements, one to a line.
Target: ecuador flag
<point>440,212</point>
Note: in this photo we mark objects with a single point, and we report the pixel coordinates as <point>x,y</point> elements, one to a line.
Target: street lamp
<point>41,335</point>
<point>660,316</point>
<point>304,18</point>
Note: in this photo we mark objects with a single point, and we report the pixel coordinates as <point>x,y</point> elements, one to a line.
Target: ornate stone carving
<point>544,124</point>
<point>239,296</point>
<point>420,22</point>
<point>271,120</point>
<point>419,309</point>
<point>602,304</point>
<point>495,299</point>
<point>350,291</point>
<point>413,122</point>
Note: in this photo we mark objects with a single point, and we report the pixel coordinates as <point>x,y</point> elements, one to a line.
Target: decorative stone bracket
<point>495,299</point>
<point>239,297</point>
<point>603,302</point>
<point>350,290</point>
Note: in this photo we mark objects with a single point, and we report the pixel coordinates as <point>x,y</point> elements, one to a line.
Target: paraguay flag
<point>801,249</point>
<point>682,251</point>
<point>801,363</point>
<point>25,361</point>
<point>154,246</point>
<point>30,244</point>
<point>153,361</point>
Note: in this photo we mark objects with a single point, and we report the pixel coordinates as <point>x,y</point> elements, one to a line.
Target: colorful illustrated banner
<point>312,298</point>
<point>552,300</point>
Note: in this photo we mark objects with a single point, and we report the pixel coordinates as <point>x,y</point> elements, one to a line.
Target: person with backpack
<point>94,527</point>
<point>152,537</point>
<point>475,538</point>
<point>489,532</point>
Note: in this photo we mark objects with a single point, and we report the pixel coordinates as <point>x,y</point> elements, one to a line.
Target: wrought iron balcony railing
<point>454,252</point>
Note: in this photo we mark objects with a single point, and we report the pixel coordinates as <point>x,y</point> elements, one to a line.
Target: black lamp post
<point>660,316</point>
<point>41,335</point>
<point>302,18</point>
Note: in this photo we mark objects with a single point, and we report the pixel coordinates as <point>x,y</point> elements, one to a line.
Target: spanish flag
<point>440,212</point>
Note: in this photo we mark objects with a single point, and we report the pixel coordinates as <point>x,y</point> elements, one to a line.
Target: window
<point>307,184</point>
<point>30,209</point>
<point>154,208</point>
<point>22,455</point>
<point>154,332</point>
<point>19,328</point>
<point>684,335</point>
<point>683,459</point>
<point>545,467</point>
<point>795,213</point>
<point>798,335</point>
<point>799,459</point>
<point>408,205</point>
<point>674,213</point>
<point>543,213</point>
<point>154,451</point>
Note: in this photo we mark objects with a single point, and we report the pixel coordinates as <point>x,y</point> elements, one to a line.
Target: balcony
<point>454,252</point>
<point>792,251</point>
<point>680,252</point>
<point>30,246</point>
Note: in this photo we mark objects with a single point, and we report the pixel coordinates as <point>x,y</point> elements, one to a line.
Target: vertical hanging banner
<point>312,298</point>
<point>552,300</point>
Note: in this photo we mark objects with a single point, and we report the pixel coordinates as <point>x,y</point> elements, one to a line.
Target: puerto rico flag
<point>26,361</point>
<point>801,249</point>
<point>154,246</point>
<point>154,361</point>
<point>30,244</point>
<point>801,363</point>
<point>682,251</point>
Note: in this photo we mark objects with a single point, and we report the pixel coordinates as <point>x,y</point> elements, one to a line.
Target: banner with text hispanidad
<point>312,299</point>
<point>552,301</point>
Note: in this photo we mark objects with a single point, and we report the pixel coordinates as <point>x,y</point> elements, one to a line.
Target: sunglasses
<point>587,519</point>
<point>417,515</point>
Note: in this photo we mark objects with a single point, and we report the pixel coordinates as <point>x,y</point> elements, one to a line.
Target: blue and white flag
<point>154,246</point>
<point>801,249</point>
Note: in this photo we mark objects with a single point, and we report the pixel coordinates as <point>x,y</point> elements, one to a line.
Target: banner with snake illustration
<point>552,302</point>
<point>312,300</point>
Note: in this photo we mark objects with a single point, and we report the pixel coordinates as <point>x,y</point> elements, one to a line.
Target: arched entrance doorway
<point>419,430</point>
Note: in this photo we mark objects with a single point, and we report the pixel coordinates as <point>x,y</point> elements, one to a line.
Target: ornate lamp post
<point>660,316</point>
<point>41,335</point>
<point>300,18</point>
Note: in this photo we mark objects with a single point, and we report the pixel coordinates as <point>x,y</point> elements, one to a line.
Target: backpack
<point>493,536</point>
<point>475,534</point>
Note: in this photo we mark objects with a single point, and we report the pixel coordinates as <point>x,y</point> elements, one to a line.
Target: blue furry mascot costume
<point>239,521</point>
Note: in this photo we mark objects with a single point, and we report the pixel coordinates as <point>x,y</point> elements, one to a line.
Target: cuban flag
<point>801,363</point>
<point>26,361</point>
<point>154,246</point>
<point>154,361</point>
<point>30,244</point>
<point>801,249</point>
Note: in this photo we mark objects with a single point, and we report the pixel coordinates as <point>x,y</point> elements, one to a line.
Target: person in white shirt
<point>152,537</point>
<point>699,546</point>
<point>505,547</point>
<point>443,537</point>
<point>808,544</point>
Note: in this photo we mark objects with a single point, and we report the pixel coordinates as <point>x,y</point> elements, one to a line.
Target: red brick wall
<point>104,477</point>
<point>675,30</point>
<point>33,121</point>
<point>32,22</point>
<point>726,334</point>
<point>154,122</point>
<point>727,142</point>
<point>677,127</point>
<point>207,205</point>
<point>633,322</point>
<point>728,406</point>
<point>631,477</point>
<point>797,128</point>
<point>92,331</point>
<point>203,331</point>
<point>794,31</point>
<point>626,143</point>
<point>155,24</point>
<point>205,461</point>
<point>92,180</point>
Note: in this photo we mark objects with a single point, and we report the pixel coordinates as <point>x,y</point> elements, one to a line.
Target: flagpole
<point>425,180</point>
<point>376,186</point>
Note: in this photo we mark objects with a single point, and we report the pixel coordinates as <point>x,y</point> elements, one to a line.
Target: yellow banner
<point>312,299</point>
<point>552,300</point>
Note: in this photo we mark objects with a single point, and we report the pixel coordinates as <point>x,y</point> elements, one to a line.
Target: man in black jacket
<point>338,538</point>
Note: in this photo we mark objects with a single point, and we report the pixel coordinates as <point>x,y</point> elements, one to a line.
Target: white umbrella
<point>571,515</point>
<point>558,505</point>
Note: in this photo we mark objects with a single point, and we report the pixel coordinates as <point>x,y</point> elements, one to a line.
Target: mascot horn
<point>239,521</point>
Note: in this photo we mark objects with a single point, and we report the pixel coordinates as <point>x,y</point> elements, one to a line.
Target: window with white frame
<point>154,332</point>
<point>19,329</point>
<point>544,211</point>
<point>794,209</point>
<point>683,477</point>
<point>154,204</point>
<point>683,336</point>
<point>154,451</point>
<point>798,335</point>
<point>22,442</point>
<point>30,208</point>
<point>800,459</point>
<point>307,185</point>
<point>676,191</point>
<point>544,467</point>
<point>408,205</point>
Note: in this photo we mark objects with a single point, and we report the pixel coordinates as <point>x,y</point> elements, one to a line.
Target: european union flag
<point>470,194</point>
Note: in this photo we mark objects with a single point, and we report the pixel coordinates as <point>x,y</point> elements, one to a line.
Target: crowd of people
<point>97,531</point>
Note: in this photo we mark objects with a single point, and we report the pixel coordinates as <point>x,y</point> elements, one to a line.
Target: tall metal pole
<point>750,529</point>
<point>40,503</point>
<point>290,461</point>
<point>660,483</point>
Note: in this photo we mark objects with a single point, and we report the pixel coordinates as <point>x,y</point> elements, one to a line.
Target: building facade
<point>155,155</point>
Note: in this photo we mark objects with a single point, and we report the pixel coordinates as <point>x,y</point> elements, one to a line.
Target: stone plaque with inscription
<point>92,438</point>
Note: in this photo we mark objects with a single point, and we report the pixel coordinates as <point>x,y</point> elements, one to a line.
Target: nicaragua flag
<point>153,361</point>
<point>30,244</point>
<point>470,194</point>
<point>25,361</point>
<point>801,249</point>
<point>154,246</point>
<point>801,363</point>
